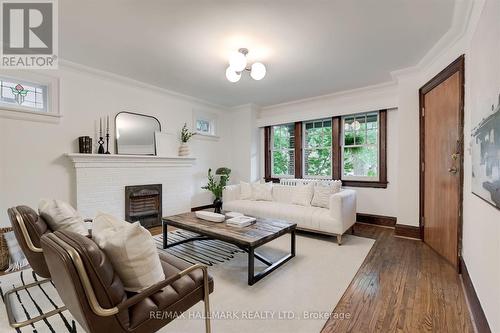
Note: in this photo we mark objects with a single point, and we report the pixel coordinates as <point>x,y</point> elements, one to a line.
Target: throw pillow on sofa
<point>245,191</point>
<point>60,215</point>
<point>302,195</point>
<point>262,192</point>
<point>131,250</point>
<point>322,193</point>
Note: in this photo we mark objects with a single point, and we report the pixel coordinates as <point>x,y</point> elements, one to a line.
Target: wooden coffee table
<point>248,238</point>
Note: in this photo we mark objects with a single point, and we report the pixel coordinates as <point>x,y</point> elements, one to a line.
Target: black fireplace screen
<point>143,203</point>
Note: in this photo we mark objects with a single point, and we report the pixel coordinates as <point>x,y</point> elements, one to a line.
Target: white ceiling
<point>310,47</point>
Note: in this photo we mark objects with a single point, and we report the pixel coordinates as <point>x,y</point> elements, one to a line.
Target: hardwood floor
<point>402,286</point>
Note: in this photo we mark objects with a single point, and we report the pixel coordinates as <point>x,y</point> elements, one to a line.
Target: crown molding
<point>376,88</point>
<point>247,106</point>
<point>66,64</point>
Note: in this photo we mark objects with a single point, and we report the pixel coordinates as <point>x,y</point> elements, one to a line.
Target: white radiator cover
<point>305,181</point>
<point>101,180</point>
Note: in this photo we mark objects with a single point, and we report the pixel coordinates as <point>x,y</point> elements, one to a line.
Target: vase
<point>218,205</point>
<point>184,149</point>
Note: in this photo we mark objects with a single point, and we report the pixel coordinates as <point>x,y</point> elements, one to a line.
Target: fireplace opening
<point>143,203</point>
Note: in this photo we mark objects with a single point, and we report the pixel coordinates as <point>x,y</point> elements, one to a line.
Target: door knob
<point>453,170</point>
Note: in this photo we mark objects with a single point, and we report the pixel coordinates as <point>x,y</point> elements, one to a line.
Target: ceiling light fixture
<point>238,63</point>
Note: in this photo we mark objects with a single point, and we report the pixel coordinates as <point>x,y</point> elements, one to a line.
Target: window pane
<point>327,136</point>
<point>21,94</point>
<point>360,137</point>
<point>318,147</point>
<point>277,137</point>
<point>372,136</point>
<point>372,120</point>
<point>361,161</point>
<point>7,93</point>
<point>283,155</point>
<point>283,162</point>
<point>314,138</point>
<point>348,138</point>
<point>361,123</point>
<point>348,124</point>
<point>318,162</point>
<point>283,136</point>
<point>202,126</point>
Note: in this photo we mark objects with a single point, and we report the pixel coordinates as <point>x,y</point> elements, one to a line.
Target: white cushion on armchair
<point>60,215</point>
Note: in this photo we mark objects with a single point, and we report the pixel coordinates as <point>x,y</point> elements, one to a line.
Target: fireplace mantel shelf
<point>128,161</point>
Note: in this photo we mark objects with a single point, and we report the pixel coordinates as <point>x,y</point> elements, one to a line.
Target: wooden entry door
<point>441,177</point>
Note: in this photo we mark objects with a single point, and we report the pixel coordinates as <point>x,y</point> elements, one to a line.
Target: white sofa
<point>333,221</point>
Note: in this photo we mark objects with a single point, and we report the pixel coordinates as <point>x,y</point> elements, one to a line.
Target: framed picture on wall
<point>485,150</point>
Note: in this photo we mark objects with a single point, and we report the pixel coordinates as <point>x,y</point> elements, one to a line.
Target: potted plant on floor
<point>216,187</point>
<point>186,134</point>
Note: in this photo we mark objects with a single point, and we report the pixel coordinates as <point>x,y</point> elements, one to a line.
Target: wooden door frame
<point>457,66</point>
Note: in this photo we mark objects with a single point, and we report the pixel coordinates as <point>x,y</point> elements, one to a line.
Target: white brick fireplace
<point>101,180</point>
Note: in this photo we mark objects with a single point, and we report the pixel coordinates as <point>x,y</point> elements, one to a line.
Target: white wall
<point>481,229</point>
<point>32,162</point>
<point>243,150</point>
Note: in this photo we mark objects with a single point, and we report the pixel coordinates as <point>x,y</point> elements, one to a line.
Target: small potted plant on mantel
<point>216,187</point>
<point>186,134</point>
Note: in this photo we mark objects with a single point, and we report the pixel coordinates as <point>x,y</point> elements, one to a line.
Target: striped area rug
<point>208,252</point>
<point>43,298</point>
<point>33,302</point>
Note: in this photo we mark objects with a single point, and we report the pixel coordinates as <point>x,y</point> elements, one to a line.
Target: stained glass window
<point>27,95</point>
<point>203,126</point>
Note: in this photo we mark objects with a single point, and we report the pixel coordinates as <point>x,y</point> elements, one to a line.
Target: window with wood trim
<point>317,149</point>
<point>360,147</point>
<point>283,151</point>
<point>351,148</point>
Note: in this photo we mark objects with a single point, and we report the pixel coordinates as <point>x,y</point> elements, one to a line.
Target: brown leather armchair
<point>94,293</point>
<point>29,227</point>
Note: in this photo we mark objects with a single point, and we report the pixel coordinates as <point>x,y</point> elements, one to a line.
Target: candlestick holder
<point>100,150</point>
<point>107,144</point>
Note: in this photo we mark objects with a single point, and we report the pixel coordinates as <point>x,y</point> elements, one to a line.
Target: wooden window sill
<point>360,183</point>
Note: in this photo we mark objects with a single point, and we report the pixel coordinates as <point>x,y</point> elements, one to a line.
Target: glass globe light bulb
<point>232,76</point>
<point>238,61</point>
<point>258,71</point>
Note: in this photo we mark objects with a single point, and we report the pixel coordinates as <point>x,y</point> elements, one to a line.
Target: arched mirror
<point>135,133</point>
